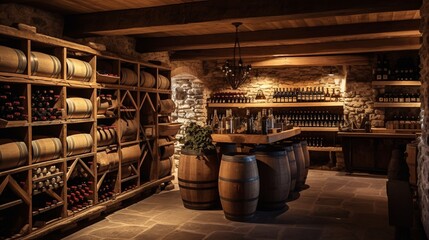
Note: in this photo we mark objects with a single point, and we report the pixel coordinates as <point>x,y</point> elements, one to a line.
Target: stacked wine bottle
<point>12,105</point>
<point>43,105</point>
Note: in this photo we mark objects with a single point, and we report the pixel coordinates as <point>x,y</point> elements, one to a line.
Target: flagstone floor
<point>335,206</point>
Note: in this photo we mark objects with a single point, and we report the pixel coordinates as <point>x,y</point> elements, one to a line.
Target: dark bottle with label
<point>264,121</point>
<point>249,122</point>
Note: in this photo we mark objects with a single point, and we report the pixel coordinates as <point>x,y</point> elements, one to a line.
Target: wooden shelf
<point>129,178</point>
<point>256,138</point>
<point>319,129</point>
<point>274,105</point>
<point>9,124</point>
<point>325,149</point>
<point>396,83</point>
<point>52,207</point>
<point>10,204</point>
<point>376,135</point>
<point>46,123</point>
<point>397,105</point>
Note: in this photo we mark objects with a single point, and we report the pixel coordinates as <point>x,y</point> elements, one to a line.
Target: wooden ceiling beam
<point>343,47</point>
<point>282,36</point>
<point>312,61</point>
<point>183,16</point>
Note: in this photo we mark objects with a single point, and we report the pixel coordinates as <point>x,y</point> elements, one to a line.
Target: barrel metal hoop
<point>241,159</point>
<point>245,180</point>
<point>189,181</point>
<point>197,188</point>
<point>240,199</point>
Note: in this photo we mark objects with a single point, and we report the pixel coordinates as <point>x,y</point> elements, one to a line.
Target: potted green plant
<point>198,168</point>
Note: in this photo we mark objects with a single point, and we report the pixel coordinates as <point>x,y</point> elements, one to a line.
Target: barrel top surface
<point>238,157</point>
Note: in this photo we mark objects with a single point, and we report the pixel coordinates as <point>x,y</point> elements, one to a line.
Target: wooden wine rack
<point>16,184</point>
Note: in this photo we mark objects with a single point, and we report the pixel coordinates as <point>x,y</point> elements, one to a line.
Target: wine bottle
<point>249,122</point>
<point>264,122</point>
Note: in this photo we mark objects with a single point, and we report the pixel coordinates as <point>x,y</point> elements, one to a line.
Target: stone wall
<point>423,161</point>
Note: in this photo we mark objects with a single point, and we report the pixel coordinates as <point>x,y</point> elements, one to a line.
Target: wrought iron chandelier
<point>236,72</point>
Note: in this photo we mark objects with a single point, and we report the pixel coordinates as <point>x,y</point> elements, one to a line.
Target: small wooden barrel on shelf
<point>12,154</point>
<point>12,60</point>
<point>129,77</point>
<point>274,177</point>
<point>78,70</point>
<point>147,80</point>
<point>45,149</point>
<point>198,180</point>
<point>106,136</point>
<point>128,129</point>
<point>163,82</point>
<point>166,106</point>
<point>106,106</point>
<point>238,186</point>
<point>130,153</point>
<point>106,160</point>
<point>79,143</point>
<point>46,65</point>
<point>166,147</point>
<point>78,107</point>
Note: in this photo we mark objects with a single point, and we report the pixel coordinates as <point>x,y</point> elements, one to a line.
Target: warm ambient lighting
<point>236,73</point>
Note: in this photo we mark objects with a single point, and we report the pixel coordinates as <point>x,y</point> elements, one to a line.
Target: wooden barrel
<point>78,107</point>
<point>166,148</point>
<point>12,154</point>
<point>238,186</point>
<point>274,177</point>
<point>164,168</point>
<point>106,136</point>
<point>46,149</point>
<point>292,166</point>
<point>130,153</point>
<point>106,106</point>
<point>147,80</point>
<point>224,148</point>
<point>166,106</point>
<point>12,60</point>
<point>300,165</point>
<point>398,168</point>
<point>45,65</point>
<point>129,77</point>
<point>304,147</point>
<point>79,144</point>
<point>163,82</point>
<point>106,160</point>
<point>198,180</point>
<point>78,70</point>
<point>128,128</point>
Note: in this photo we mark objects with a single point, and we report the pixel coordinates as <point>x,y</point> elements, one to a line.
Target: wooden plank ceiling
<point>192,29</point>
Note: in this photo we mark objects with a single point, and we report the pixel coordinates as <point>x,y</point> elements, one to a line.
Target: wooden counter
<point>255,138</point>
<point>371,152</point>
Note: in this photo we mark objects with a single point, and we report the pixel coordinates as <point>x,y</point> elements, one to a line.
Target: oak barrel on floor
<point>306,153</point>
<point>292,166</point>
<point>238,186</point>
<point>198,179</point>
<point>300,165</point>
<point>274,177</point>
<point>12,60</point>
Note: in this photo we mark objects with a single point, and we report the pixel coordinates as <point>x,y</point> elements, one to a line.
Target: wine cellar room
<point>203,119</point>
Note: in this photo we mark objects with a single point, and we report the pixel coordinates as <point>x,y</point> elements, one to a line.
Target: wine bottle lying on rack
<point>11,104</point>
<point>43,105</point>
<point>78,196</point>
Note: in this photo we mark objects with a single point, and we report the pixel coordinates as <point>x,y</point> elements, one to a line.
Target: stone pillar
<point>423,161</point>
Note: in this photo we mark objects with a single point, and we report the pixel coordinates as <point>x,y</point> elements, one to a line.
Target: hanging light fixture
<point>236,72</point>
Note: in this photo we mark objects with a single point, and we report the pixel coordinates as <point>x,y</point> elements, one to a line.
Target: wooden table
<point>255,138</point>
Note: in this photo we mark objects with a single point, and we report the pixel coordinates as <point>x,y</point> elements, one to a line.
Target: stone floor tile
<point>225,236</point>
<point>211,217</point>
<point>157,231</point>
<point>79,236</point>
<point>121,232</point>
<point>182,235</point>
<point>326,211</point>
<point>301,234</point>
<point>358,184</point>
<point>265,232</point>
<point>205,228</point>
<point>172,217</point>
<point>128,219</point>
<point>329,201</point>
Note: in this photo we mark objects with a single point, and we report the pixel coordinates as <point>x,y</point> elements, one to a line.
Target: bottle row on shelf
<point>12,106</point>
<point>79,195</point>
<point>261,123</point>
<point>311,141</point>
<point>310,118</point>
<point>282,95</point>
<point>398,97</point>
<point>403,71</point>
<point>401,121</point>
<point>309,94</point>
